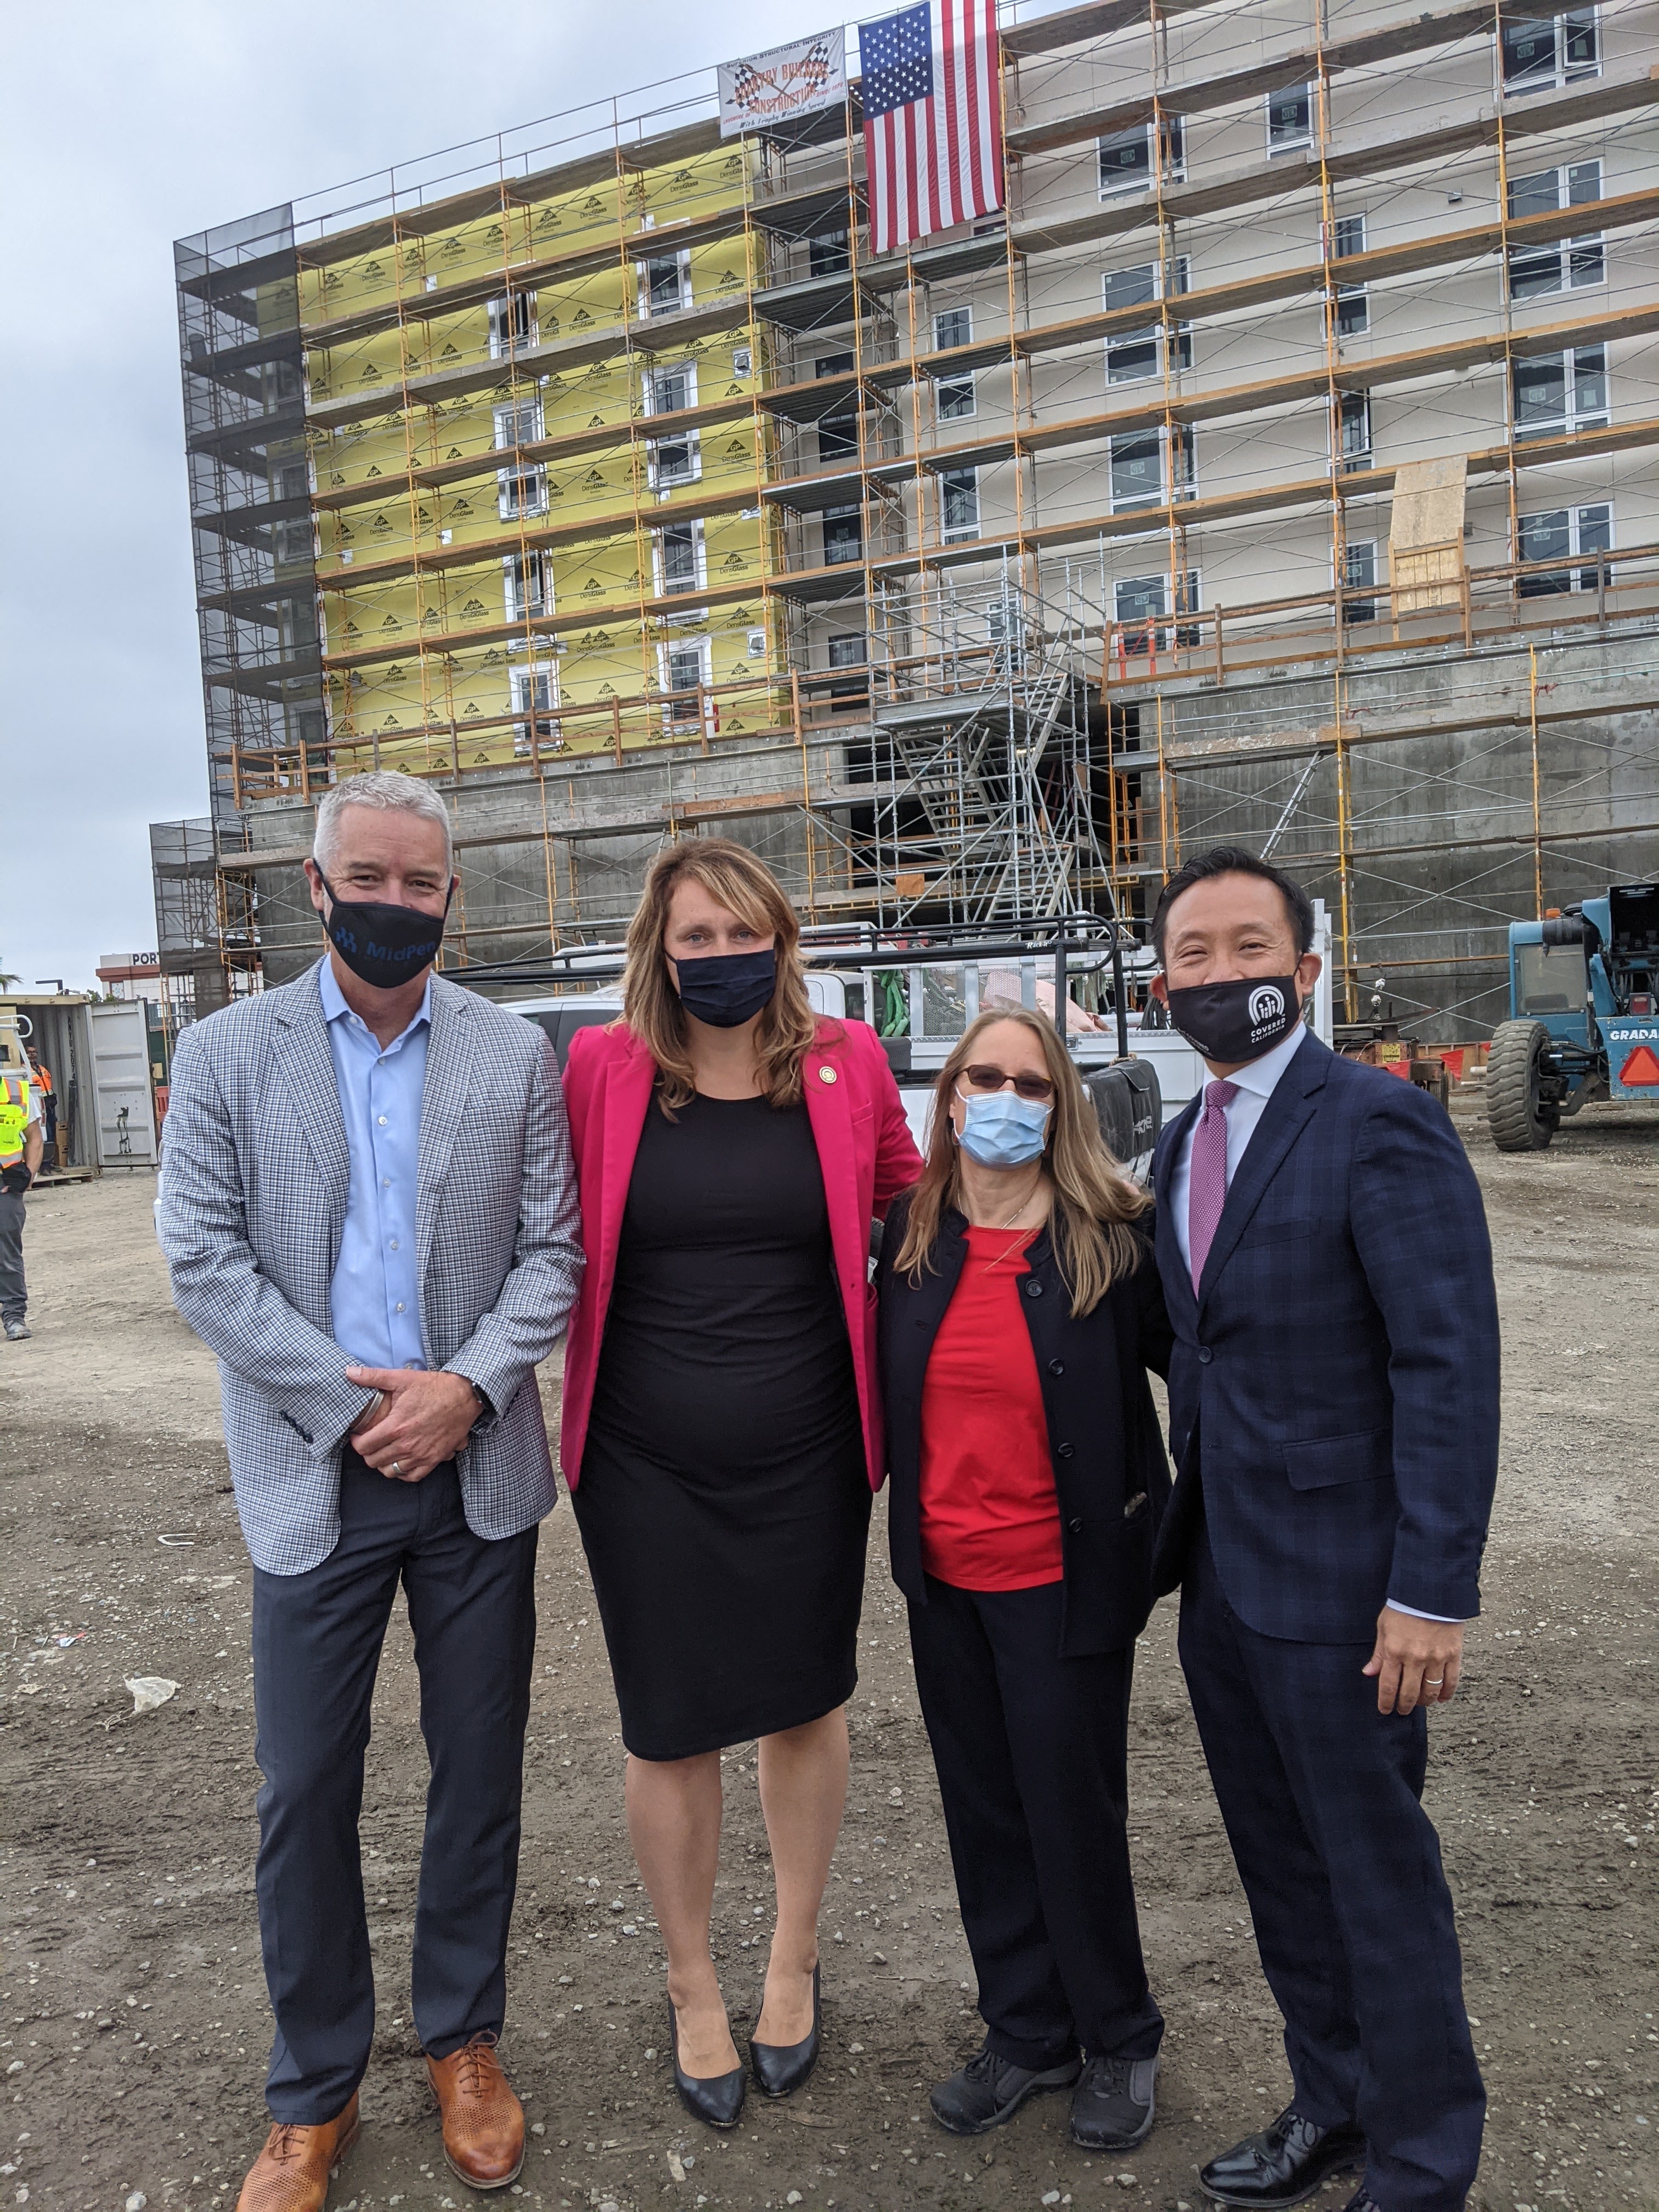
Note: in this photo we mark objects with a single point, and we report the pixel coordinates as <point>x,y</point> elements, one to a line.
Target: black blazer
<point>1110,1473</point>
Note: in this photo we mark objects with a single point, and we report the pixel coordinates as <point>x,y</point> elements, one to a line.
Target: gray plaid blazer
<point>255,1175</point>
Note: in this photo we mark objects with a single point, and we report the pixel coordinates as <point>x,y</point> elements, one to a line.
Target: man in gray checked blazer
<point>368,1207</point>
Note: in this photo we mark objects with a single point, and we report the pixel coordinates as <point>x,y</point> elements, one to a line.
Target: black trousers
<point>317,1640</point>
<point>1031,1751</point>
<point>1319,1794</point>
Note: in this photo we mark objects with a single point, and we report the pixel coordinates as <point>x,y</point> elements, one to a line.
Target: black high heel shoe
<point>718,2101</point>
<point>781,2067</point>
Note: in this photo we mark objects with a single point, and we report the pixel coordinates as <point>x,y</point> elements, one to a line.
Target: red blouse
<point>990,1520</point>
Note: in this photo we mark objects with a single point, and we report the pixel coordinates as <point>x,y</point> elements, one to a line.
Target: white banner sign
<point>768,90</point>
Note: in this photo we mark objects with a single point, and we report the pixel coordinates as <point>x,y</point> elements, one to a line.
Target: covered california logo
<point>1266,1004</point>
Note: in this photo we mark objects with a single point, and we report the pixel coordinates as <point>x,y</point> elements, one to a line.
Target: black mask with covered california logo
<point>385,945</point>
<point>1234,1023</point>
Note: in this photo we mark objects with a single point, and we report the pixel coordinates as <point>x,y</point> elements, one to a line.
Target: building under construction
<point>1279,468</point>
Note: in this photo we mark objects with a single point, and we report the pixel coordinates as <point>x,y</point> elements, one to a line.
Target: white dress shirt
<point>1256,1084</point>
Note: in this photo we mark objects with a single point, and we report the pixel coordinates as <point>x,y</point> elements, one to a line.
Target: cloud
<point>127,128</point>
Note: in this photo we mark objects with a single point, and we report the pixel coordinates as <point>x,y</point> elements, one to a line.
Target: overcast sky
<point>126,128</point>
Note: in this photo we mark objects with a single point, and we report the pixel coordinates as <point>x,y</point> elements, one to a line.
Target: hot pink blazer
<point>865,1151</point>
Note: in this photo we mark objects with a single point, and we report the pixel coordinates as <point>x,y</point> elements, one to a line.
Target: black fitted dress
<point>723,1500</point>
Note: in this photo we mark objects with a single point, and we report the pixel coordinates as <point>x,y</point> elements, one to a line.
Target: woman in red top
<point>1020,1308</point>
<point>721,1435</point>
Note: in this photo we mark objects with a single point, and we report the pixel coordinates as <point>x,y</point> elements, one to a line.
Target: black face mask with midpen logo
<point>1235,1023</point>
<point>386,945</point>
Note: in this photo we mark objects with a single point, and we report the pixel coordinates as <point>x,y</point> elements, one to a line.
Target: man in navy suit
<point>1334,1418</point>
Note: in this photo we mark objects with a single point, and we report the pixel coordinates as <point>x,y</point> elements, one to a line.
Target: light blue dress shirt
<point>374,1295</point>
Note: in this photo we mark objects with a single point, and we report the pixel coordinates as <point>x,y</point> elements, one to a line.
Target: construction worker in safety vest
<point>21,1145</point>
<point>46,1100</point>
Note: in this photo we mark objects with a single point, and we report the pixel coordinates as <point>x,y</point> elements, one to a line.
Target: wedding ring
<point>396,1468</point>
<point>1429,1682</point>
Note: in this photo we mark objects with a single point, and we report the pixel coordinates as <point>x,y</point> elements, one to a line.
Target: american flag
<point>932,119</point>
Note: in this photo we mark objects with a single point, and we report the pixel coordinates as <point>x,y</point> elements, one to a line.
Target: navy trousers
<point>317,1640</point>
<point>1321,1795</point>
<point>1031,1751</point>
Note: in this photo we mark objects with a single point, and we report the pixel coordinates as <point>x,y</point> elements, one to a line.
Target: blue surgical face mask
<point>1000,1129</point>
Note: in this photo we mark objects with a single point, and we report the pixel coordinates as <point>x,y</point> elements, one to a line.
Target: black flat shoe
<point>717,2102</point>
<point>1286,2162</point>
<point>781,2067</point>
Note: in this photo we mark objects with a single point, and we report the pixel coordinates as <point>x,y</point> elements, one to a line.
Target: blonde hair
<point>1094,1201</point>
<point>746,887</point>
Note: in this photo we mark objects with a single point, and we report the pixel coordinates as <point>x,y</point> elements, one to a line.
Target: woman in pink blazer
<point>721,1434</point>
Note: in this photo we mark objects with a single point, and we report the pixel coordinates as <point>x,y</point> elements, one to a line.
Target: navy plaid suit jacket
<point>1335,1381</point>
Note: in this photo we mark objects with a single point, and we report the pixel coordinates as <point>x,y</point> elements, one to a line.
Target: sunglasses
<point>983,1077</point>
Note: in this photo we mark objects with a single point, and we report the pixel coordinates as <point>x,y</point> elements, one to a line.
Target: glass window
<point>954,396</point>
<point>511,323</point>
<point>843,535</point>
<point>1359,574</point>
<point>675,460</point>
<point>1354,412</point>
<point>959,502</point>
<point>848,692</point>
<point>827,254</point>
<point>1352,308</point>
<point>1555,266</point>
<point>665,284</point>
<point>1544,51</point>
<point>1549,979</point>
<point>529,585</point>
<point>1555,534</point>
<point>1141,603</point>
<point>832,364</point>
<point>1132,354</point>
<point>518,424</point>
<point>1289,117</point>
<point>1137,471</point>
<point>672,391</point>
<point>520,492</point>
<point>838,437</point>
<point>1125,156</point>
<point>535,694</point>
<point>679,552</point>
<point>1558,392</point>
<point>955,327</point>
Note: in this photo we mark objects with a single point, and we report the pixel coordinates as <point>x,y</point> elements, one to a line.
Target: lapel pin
<point>826,1075</point>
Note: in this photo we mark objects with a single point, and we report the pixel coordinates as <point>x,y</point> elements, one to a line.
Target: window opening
<point>1359,576</point>
<point>959,504</point>
<point>1557,392</point>
<point>1126,157</point>
<point>1290,119</point>
<point>1352,308</point>
<point>1132,355</point>
<point>511,324</point>
<point>1561,532</point>
<point>1564,265</point>
<point>1542,52</point>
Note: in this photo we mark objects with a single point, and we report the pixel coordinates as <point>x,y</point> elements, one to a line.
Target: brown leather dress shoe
<point>483,2121</point>
<point>292,2173</point>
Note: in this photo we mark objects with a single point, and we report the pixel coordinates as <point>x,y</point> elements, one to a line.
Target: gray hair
<point>390,791</point>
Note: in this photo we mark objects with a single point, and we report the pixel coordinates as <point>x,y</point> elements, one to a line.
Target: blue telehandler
<point>1584,1016</point>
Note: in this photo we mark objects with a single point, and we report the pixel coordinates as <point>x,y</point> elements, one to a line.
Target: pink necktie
<point>1206,1176</point>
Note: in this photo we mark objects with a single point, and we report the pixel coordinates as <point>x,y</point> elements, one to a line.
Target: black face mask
<point>725,989</point>
<point>387,946</point>
<point>1234,1023</point>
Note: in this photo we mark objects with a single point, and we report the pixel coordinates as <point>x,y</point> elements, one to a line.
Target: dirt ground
<point>133,2026</point>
